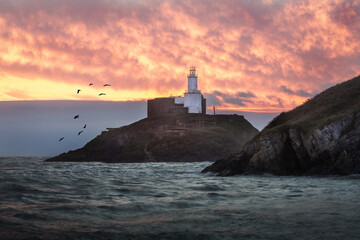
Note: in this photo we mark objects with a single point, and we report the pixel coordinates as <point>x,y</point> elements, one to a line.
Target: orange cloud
<point>282,52</point>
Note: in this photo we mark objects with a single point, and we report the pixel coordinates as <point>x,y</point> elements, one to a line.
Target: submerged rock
<point>169,138</point>
<point>320,137</point>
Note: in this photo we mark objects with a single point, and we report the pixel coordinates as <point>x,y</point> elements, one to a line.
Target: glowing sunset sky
<point>250,55</point>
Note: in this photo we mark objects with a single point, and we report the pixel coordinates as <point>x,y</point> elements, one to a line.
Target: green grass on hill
<point>328,106</point>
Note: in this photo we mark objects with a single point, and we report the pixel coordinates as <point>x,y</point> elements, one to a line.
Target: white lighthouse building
<point>191,102</point>
<point>193,98</point>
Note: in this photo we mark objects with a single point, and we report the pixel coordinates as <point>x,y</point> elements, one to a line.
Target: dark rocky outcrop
<point>168,138</point>
<point>320,137</point>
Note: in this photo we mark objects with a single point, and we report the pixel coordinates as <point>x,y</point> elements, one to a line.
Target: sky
<point>264,56</point>
<point>33,128</point>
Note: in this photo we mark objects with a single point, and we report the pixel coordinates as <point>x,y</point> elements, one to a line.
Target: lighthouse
<point>192,81</point>
<point>192,101</point>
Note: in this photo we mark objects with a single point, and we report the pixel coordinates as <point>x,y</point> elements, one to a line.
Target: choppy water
<point>170,201</point>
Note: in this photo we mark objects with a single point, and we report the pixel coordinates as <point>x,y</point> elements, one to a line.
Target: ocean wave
<point>170,201</point>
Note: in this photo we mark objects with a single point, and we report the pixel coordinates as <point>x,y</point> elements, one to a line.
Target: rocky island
<point>167,138</point>
<point>320,137</point>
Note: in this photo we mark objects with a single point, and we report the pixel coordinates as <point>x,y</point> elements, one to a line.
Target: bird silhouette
<point>102,94</point>
<point>76,116</point>
<point>84,126</point>
<point>78,91</point>
<point>107,85</point>
<point>80,133</point>
<point>91,84</point>
<point>61,139</point>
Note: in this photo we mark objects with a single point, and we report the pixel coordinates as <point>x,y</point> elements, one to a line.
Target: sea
<point>90,200</point>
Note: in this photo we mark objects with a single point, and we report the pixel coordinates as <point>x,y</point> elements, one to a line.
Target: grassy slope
<point>205,138</point>
<point>330,105</point>
<point>216,138</point>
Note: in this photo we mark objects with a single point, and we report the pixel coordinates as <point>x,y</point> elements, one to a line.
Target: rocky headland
<point>168,138</point>
<point>320,137</point>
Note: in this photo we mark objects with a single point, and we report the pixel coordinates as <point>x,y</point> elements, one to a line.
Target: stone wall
<point>163,106</point>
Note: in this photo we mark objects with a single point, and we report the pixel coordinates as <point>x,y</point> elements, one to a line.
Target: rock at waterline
<point>320,137</point>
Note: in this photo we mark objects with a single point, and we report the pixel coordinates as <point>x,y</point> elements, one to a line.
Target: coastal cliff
<point>168,138</point>
<point>320,137</point>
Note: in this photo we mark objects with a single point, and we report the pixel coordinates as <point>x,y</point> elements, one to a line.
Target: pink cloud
<point>237,46</point>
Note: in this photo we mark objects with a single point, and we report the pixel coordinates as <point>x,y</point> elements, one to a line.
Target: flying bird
<point>91,84</point>
<point>76,116</point>
<point>102,94</point>
<point>78,91</point>
<point>107,85</point>
<point>61,139</point>
<point>84,126</point>
<point>80,133</point>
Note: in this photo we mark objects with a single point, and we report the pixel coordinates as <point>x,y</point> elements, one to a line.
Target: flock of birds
<point>78,116</point>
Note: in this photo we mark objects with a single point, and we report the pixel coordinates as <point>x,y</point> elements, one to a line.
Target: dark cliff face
<point>188,137</point>
<point>320,137</point>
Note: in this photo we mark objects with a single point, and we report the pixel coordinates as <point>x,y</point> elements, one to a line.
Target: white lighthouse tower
<point>193,98</point>
<point>192,81</point>
<point>191,102</point>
